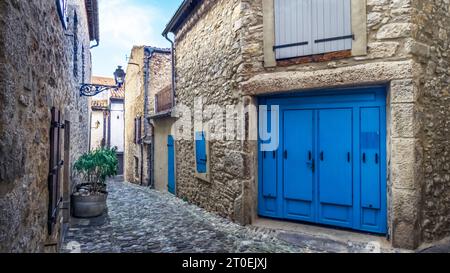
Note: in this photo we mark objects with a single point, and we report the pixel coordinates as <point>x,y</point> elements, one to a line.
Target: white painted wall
<point>96,131</point>
<point>117,125</point>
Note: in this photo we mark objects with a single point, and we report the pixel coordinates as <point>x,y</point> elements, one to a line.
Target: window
<point>62,11</point>
<point>200,152</point>
<point>296,28</point>
<point>136,166</point>
<point>308,27</point>
<point>137,130</point>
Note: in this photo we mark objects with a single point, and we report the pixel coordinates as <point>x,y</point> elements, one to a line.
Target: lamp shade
<point>119,76</point>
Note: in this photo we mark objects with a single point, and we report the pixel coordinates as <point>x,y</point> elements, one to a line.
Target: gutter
<point>147,57</point>
<point>172,51</point>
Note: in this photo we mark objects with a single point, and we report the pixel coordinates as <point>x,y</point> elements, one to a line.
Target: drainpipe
<point>173,67</point>
<point>147,56</point>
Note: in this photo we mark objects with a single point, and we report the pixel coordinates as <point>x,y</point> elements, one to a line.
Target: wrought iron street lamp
<point>90,90</point>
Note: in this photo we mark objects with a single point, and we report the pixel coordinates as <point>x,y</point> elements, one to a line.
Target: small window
<point>62,11</point>
<point>310,27</point>
<point>136,166</point>
<point>201,156</point>
<point>137,130</point>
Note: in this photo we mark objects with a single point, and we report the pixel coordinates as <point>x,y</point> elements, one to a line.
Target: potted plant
<point>89,198</point>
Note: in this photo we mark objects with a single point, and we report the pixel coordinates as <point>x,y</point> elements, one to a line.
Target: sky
<point>124,23</point>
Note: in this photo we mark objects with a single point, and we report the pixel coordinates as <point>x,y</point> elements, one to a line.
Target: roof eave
<point>180,15</point>
<point>93,19</point>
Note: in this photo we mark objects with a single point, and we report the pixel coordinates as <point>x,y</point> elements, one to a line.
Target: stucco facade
<point>42,68</point>
<point>406,51</point>
<point>162,129</point>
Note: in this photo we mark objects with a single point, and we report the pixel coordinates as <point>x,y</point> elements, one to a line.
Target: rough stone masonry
<point>41,66</point>
<point>220,56</point>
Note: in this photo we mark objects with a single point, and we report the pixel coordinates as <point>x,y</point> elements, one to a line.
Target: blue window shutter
<point>293,35</point>
<point>331,26</point>
<point>200,152</point>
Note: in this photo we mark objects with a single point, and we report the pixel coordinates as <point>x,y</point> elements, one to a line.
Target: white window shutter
<point>332,26</point>
<point>293,29</point>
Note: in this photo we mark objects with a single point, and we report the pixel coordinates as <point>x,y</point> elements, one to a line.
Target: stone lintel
<point>360,74</point>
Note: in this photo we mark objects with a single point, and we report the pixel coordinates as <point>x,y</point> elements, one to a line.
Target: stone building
<point>367,80</point>
<point>107,119</point>
<point>44,123</point>
<point>147,73</point>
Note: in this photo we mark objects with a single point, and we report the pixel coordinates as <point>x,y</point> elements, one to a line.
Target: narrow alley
<point>143,220</point>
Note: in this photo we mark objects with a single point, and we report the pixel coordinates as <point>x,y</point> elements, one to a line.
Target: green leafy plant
<point>95,167</point>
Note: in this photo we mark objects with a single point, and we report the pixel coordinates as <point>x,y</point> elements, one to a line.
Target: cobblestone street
<point>143,220</point>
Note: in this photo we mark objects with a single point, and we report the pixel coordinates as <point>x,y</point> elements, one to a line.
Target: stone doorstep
<point>327,239</point>
<point>442,246</point>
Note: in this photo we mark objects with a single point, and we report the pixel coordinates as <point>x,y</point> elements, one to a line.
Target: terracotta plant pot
<point>88,206</point>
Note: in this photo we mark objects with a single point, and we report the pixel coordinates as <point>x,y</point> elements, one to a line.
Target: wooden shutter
<point>292,28</point>
<point>332,26</point>
<point>55,166</point>
<point>307,27</point>
<point>200,152</point>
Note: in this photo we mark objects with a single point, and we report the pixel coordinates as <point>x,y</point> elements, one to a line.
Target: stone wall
<point>207,59</point>
<point>407,50</point>
<point>159,76</point>
<point>37,72</point>
<point>433,32</point>
<point>134,107</point>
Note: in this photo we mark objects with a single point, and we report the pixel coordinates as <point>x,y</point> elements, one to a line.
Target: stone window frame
<point>359,29</point>
<point>206,177</point>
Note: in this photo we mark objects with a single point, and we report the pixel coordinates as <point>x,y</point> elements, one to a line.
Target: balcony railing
<point>163,100</point>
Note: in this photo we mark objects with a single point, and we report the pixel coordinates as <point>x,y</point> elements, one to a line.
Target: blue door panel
<point>269,201</point>
<point>171,165</point>
<point>370,155</point>
<point>297,155</point>
<point>335,154</point>
<point>330,167</point>
<point>269,167</point>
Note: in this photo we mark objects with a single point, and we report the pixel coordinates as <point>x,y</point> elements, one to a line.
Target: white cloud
<point>124,24</point>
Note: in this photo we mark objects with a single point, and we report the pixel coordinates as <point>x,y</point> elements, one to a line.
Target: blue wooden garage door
<point>329,167</point>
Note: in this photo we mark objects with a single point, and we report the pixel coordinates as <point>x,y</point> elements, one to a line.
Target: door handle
<point>264,154</point>
<point>376,158</point>
<point>274,154</point>
<point>309,155</point>
<point>285,154</point>
<point>348,157</point>
<point>321,156</point>
<point>364,157</point>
